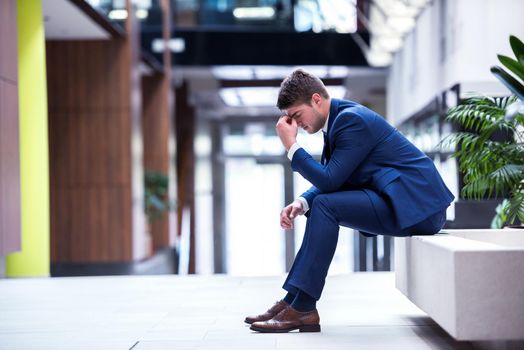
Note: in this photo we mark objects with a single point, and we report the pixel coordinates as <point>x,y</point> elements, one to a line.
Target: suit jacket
<point>365,152</point>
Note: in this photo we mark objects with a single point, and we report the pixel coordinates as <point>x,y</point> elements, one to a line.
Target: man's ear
<point>317,99</point>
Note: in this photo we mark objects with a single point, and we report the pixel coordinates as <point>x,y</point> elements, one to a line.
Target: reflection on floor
<point>358,311</point>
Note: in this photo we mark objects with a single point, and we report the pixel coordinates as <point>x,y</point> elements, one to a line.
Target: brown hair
<point>298,87</point>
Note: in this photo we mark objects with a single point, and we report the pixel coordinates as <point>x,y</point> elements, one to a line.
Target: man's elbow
<point>327,186</point>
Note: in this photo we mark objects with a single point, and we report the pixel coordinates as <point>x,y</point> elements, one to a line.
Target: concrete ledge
<point>471,282</point>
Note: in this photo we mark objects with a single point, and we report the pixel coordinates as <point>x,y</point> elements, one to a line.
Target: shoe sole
<point>312,328</point>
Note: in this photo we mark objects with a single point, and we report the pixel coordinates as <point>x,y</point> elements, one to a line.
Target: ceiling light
<point>254,12</point>
<point>176,45</point>
<point>390,43</point>
<point>339,15</point>
<point>233,72</point>
<point>402,24</point>
<point>378,58</point>
<point>319,71</point>
<point>418,3</point>
<point>230,97</point>
<point>271,72</point>
<point>389,22</point>
<point>141,13</point>
<point>118,15</point>
<point>258,96</point>
<point>262,96</point>
<point>338,72</point>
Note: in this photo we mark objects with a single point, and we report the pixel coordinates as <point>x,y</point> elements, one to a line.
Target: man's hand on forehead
<point>293,116</point>
<point>287,130</point>
<point>286,118</point>
<point>286,113</point>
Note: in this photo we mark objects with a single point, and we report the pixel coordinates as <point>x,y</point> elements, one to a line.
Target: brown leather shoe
<point>290,319</point>
<point>269,314</point>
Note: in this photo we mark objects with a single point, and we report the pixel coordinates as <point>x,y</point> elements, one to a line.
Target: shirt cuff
<point>305,206</point>
<point>292,150</point>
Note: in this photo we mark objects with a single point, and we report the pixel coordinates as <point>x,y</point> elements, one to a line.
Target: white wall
<point>2,266</point>
<point>367,86</point>
<point>204,226</point>
<point>458,46</point>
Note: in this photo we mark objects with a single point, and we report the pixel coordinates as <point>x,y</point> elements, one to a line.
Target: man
<point>371,179</point>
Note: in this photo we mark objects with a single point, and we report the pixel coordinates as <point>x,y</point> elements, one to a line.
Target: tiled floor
<point>358,311</point>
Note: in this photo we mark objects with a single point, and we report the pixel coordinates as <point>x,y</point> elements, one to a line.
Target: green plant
<point>500,217</point>
<point>490,147</point>
<point>515,66</point>
<point>156,195</point>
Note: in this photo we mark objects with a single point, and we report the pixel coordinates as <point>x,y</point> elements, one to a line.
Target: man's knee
<point>321,201</point>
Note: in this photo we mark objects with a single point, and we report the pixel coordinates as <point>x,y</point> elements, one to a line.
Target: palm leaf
<point>511,83</point>
<point>516,207</point>
<point>508,174</point>
<point>518,48</point>
<point>512,65</point>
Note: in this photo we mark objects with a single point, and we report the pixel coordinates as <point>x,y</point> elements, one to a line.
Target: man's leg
<point>352,209</point>
<point>308,273</point>
<point>288,287</point>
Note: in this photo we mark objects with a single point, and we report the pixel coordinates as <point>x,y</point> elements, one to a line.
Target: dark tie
<point>326,153</point>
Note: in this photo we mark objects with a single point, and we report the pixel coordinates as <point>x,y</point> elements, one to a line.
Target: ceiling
<point>249,60</point>
<point>63,20</point>
<point>363,84</point>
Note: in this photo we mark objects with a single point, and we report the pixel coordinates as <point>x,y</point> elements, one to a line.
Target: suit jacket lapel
<point>333,112</point>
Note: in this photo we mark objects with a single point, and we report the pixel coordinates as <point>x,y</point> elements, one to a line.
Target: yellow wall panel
<point>33,259</point>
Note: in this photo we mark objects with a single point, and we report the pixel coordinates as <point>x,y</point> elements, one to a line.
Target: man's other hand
<point>289,213</point>
<point>287,130</point>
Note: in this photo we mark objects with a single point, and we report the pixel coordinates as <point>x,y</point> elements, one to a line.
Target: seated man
<point>371,179</point>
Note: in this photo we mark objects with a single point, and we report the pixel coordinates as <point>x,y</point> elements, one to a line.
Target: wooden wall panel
<point>158,127</point>
<point>155,128</point>
<point>90,151</point>
<point>10,230</point>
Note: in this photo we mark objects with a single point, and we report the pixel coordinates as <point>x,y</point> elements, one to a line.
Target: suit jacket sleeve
<point>310,194</point>
<point>352,142</point>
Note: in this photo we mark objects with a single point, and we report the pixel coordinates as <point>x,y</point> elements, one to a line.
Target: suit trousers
<point>362,210</point>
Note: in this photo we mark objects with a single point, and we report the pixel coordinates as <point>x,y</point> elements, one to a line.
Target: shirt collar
<point>325,127</point>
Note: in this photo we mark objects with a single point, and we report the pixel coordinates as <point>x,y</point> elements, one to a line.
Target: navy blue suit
<point>371,179</point>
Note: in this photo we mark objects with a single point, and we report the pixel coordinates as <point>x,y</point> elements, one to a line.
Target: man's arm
<point>352,143</point>
<point>308,196</point>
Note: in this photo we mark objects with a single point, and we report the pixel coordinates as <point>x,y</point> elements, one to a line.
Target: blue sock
<point>304,302</point>
<point>289,298</point>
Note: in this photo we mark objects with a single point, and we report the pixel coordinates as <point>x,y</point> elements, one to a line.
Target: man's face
<point>308,117</point>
